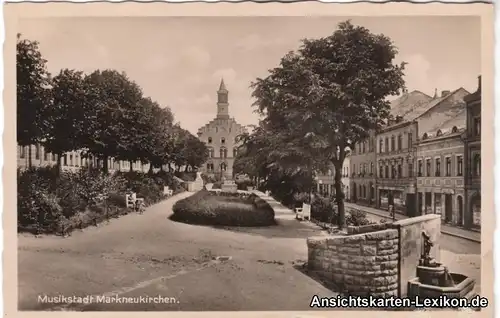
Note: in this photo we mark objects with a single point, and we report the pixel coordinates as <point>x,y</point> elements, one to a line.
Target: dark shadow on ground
<point>285,228</point>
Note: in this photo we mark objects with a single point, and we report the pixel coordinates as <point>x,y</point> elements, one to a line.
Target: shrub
<point>207,208</point>
<point>323,209</point>
<point>60,202</point>
<point>357,218</point>
<point>301,198</point>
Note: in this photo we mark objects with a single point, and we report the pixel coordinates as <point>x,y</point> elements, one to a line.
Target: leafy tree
<point>111,96</point>
<point>33,81</point>
<point>195,152</point>
<point>328,95</point>
<point>67,113</point>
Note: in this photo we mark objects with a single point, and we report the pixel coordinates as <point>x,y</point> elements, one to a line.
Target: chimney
<point>444,93</point>
<point>479,83</point>
<point>399,119</point>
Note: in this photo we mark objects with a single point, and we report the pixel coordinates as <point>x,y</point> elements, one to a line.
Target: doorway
<point>460,203</point>
<point>448,208</point>
<point>420,198</point>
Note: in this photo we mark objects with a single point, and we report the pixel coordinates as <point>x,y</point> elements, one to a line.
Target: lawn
<point>224,208</point>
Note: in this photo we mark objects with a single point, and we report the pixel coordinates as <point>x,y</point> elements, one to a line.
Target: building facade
<point>396,181</point>
<point>362,172</point>
<point>472,154</point>
<point>440,170</point>
<point>325,183</point>
<point>70,161</point>
<point>220,136</point>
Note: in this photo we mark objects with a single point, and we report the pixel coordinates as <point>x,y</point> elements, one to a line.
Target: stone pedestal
<point>198,182</point>
<point>229,186</point>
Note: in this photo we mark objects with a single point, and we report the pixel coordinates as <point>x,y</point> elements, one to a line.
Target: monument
<point>228,185</point>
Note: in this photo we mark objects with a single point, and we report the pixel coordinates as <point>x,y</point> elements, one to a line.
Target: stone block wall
<point>362,264</point>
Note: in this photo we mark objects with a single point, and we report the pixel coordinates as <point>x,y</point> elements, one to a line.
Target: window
<point>448,166</point>
<point>210,152</point>
<point>460,163</point>
<point>381,146</point>
<point>45,156</point>
<point>410,140</point>
<point>419,167</point>
<point>371,168</point>
<point>70,160</point>
<point>438,167</point>
<point>387,171</point>
<point>37,151</point>
<point>65,159</point>
<point>209,140</point>
<point>223,140</point>
<point>381,171</point>
<point>400,171</point>
<point>386,144</point>
<point>22,151</point>
<point>400,142</point>
<point>477,126</point>
<point>235,152</point>
<point>353,169</point>
<point>410,170</point>
<point>77,161</point>
<point>477,165</point>
<point>393,172</point>
<point>54,157</point>
<point>82,163</point>
<point>393,143</point>
<point>428,167</point>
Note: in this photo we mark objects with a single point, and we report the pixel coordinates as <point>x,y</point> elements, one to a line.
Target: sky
<point>179,61</point>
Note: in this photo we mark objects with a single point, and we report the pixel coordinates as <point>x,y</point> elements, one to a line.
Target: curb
<point>442,231</point>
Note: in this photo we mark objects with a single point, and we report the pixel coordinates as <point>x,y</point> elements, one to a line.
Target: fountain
<point>434,280</point>
<point>228,185</point>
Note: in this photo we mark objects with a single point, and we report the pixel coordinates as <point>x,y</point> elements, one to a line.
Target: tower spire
<point>222,101</point>
<point>222,86</point>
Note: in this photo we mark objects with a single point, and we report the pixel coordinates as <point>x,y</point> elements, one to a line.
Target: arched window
<point>393,143</point>
<point>381,145</point>
<point>400,142</point>
<point>210,152</point>
<point>223,140</point>
<point>235,152</point>
<point>223,166</point>
<point>425,136</point>
<point>454,129</point>
<point>223,152</point>
<point>439,132</point>
<point>477,165</point>
<point>209,140</point>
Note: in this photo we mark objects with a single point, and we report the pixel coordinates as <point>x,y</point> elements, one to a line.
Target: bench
<point>304,212</point>
<point>132,201</point>
<point>167,191</point>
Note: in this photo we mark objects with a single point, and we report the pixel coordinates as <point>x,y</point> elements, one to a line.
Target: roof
<point>410,105</point>
<point>455,130</point>
<point>444,112</point>
<point>222,86</point>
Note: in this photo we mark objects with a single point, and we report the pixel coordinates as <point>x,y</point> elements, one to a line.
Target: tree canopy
<point>326,96</point>
<point>103,113</point>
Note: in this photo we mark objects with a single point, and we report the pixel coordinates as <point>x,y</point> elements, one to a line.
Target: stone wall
<point>410,243</point>
<point>362,264</point>
<point>375,259</point>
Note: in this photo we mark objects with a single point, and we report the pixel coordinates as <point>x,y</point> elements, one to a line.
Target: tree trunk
<point>105,167</point>
<point>30,162</point>
<point>339,194</point>
<point>58,164</point>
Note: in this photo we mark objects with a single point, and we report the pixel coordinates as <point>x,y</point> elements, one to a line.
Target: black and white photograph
<point>252,163</point>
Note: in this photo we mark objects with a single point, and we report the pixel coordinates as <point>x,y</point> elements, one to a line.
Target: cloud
<point>196,57</point>
<point>254,41</point>
<point>228,74</point>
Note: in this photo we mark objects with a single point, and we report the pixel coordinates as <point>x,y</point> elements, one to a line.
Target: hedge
<point>224,209</point>
<point>54,203</point>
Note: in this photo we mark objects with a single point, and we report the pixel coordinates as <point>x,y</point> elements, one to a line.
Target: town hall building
<point>220,136</point>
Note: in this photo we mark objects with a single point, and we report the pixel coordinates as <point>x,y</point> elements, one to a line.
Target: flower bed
<point>59,203</point>
<point>224,208</point>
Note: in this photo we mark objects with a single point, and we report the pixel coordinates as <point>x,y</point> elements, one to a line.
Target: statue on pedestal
<point>427,244</point>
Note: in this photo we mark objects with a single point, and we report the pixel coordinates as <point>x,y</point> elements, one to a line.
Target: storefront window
<point>437,203</point>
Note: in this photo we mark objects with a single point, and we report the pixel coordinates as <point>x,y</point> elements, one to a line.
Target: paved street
<point>150,255</point>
